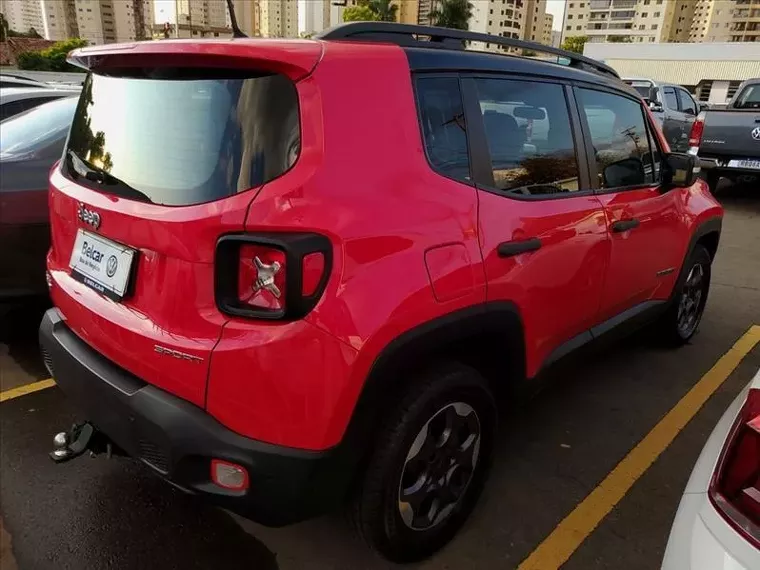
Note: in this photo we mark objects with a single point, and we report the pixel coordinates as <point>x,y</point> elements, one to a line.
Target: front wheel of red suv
<point>428,465</point>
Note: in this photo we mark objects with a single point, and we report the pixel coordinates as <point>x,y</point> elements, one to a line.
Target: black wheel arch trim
<point>411,350</point>
<point>709,226</point>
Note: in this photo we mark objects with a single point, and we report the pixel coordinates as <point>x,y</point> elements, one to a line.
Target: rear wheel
<point>428,465</point>
<point>682,318</point>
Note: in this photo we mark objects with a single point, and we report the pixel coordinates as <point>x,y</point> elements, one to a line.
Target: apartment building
<point>548,28</point>
<point>109,21</point>
<point>203,14</point>
<point>267,18</point>
<point>649,21</point>
<point>535,16</point>
<point>506,18</point>
<point>22,15</point>
<point>726,21</point>
<point>59,19</point>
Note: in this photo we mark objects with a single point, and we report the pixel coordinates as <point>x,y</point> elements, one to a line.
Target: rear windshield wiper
<point>108,182</point>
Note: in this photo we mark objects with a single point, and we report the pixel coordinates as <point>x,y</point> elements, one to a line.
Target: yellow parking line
<point>581,522</point>
<point>26,389</point>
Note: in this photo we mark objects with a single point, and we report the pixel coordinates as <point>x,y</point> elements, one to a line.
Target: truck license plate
<point>752,164</point>
<point>101,264</point>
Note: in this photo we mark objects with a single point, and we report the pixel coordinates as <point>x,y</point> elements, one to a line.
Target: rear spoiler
<point>292,58</point>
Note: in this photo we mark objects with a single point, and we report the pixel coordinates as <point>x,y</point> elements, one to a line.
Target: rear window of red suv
<point>178,137</point>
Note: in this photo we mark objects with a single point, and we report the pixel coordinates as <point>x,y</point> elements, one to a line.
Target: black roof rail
<point>409,35</point>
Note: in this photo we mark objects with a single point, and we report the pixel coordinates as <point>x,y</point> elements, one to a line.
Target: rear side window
<point>443,127</point>
<point>621,143</point>
<point>670,98</point>
<point>38,127</point>
<point>529,136</point>
<point>174,139</point>
<point>687,103</point>
<point>749,98</point>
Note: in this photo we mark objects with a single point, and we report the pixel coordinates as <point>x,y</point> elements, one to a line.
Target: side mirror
<point>679,170</point>
<point>626,172</point>
<point>689,112</point>
<point>655,107</point>
<point>703,107</point>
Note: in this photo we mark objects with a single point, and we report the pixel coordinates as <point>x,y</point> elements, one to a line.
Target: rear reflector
<point>261,277</point>
<point>229,475</point>
<point>735,487</point>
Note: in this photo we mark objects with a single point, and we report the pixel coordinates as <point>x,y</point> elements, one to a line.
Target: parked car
<point>728,141</point>
<point>717,526</point>
<point>29,145</point>
<point>287,295</point>
<point>10,80</point>
<point>15,100</point>
<point>672,106</point>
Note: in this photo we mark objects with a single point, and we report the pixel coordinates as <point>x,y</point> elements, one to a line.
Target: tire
<point>681,321</point>
<point>452,393</point>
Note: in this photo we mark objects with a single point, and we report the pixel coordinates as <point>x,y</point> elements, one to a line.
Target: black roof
<point>425,59</point>
<point>453,41</point>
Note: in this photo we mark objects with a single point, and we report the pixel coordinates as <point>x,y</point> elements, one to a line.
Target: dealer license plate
<point>752,164</point>
<point>101,264</point>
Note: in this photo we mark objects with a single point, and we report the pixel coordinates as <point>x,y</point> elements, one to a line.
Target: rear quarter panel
<point>363,180</point>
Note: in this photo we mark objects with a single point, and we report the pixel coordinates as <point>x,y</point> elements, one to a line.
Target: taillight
<point>735,487</point>
<point>697,128</point>
<point>271,276</point>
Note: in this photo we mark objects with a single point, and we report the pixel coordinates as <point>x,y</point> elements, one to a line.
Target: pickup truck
<point>727,142</point>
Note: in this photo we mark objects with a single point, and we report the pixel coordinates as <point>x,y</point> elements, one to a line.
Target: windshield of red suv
<point>176,137</point>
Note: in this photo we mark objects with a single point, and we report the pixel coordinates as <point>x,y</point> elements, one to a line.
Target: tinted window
<point>529,136</point>
<point>670,98</point>
<point>749,98</point>
<point>38,127</point>
<point>443,125</point>
<point>176,140</point>
<point>620,139</point>
<point>687,103</point>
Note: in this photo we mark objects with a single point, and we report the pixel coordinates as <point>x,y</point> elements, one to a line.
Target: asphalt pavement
<point>551,453</point>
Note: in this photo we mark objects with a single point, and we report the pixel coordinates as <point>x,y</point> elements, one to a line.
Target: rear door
<point>159,164</point>
<point>673,121</point>
<point>689,110</point>
<point>542,231</point>
<point>643,221</point>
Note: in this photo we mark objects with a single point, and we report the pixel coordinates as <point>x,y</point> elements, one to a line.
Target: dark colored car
<point>673,108</point>
<point>727,141</point>
<point>30,143</point>
<point>292,274</point>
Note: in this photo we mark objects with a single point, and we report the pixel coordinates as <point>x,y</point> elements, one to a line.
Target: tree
<point>454,14</point>
<point>371,11</point>
<point>4,28</point>
<point>52,58</point>
<point>575,43</point>
<point>359,13</point>
<point>619,39</point>
<point>32,33</point>
<point>385,10</point>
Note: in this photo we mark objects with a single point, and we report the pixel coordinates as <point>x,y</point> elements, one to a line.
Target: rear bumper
<point>177,440</point>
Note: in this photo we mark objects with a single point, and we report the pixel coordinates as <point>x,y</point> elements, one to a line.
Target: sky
<point>164,11</point>
<point>557,9</point>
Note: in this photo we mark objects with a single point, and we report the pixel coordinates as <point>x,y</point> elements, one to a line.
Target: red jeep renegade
<point>293,273</point>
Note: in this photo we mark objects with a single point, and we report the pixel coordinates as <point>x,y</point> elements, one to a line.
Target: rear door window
<point>530,139</point>
<point>443,126</point>
<point>669,95</point>
<point>687,103</point>
<point>749,98</point>
<point>176,139</point>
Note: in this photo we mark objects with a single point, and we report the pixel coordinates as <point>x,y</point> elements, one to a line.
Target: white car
<point>717,526</point>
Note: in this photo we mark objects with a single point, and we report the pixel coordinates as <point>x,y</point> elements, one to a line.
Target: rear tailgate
<point>728,134</point>
<point>167,140</point>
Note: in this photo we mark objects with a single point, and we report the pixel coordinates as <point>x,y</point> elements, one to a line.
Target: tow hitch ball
<point>80,438</point>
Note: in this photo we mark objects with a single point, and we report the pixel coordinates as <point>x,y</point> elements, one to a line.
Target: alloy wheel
<point>690,303</point>
<point>439,466</point>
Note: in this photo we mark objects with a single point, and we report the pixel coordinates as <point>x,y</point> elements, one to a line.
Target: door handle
<point>512,248</point>
<point>624,225</point>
